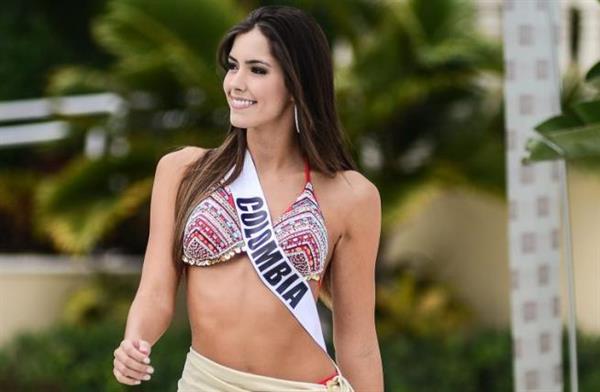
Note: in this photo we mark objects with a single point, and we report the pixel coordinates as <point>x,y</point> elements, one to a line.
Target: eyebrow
<point>253,61</point>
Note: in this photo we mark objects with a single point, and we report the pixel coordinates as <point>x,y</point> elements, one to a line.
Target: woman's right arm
<point>153,307</point>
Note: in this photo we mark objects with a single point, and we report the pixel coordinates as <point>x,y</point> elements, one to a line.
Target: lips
<point>240,103</point>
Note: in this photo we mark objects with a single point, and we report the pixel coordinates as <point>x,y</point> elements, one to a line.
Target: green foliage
<point>77,353</point>
<point>164,66</point>
<point>38,36</point>
<point>588,351</point>
<point>471,362</point>
<point>415,92</point>
<point>16,190</point>
<point>422,52</point>
<point>423,342</point>
<point>69,358</point>
<point>593,74</point>
<point>427,59</point>
<point>574,134</point>
<point>89,197</point>
<point>417,306</point>
<point>158,47</point>
<point>106,298</point>
<point>474,362</point>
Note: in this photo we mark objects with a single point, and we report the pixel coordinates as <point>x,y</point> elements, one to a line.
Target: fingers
<point>130,365</point>
<point>143,346</point>
<point>133,352</point>
<point>124,379</point>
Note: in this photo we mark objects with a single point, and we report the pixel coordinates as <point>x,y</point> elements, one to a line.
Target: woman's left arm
<point>353,287</point>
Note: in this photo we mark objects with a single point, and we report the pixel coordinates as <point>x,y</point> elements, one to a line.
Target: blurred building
<point>580,28</point>
<point>461,235</point>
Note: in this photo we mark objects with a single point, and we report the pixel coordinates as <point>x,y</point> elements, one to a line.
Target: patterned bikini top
<point>212,233</point>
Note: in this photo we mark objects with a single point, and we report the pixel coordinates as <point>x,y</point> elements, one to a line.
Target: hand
<point>131,362</point>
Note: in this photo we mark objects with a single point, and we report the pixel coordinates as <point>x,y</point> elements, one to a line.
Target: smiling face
<point>255,77</point>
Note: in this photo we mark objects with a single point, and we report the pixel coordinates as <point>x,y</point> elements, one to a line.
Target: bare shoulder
<point>356,190</point>
<point>179,159</point>
<point>346,199</point>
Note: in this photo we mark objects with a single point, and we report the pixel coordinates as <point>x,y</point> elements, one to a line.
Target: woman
<point>253,276</point>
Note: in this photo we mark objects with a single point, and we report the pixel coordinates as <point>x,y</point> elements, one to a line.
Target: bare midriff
<point>238,322</point>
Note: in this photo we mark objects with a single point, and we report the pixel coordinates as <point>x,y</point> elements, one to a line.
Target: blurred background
<point>93,93</point>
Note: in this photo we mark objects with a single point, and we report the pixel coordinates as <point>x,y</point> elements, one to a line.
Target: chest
<point>306,218</point>
<point>280,193</point>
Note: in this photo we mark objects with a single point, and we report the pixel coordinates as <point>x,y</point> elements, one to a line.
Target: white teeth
<point>242,102</point>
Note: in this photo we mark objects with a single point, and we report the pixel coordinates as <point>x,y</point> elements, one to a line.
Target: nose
<point>237,80</point>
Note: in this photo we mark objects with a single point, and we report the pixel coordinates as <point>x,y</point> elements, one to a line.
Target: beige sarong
<point>201,374</point>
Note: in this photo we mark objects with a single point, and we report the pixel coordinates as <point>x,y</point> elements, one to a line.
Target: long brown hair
<point>298,43</point>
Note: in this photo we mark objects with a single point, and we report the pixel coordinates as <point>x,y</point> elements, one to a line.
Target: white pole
<point>532,94</point>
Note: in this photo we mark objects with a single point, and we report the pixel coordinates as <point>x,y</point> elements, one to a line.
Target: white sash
<point>268,259</point>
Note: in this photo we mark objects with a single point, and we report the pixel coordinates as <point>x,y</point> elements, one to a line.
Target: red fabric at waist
<point>324,382</point>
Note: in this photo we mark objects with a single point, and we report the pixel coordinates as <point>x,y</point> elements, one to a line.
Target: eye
<point>260,71</point>
<point>256,70</point>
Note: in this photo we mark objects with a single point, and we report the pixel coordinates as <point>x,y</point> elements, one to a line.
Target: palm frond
<point>571,135</point>
<point>89,198</point>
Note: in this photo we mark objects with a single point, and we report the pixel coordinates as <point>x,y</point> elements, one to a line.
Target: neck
<point>274,150</point>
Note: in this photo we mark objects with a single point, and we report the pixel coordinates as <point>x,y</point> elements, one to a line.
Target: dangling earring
<point>296,118</point>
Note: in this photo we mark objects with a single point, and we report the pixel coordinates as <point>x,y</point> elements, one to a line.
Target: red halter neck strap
<point>306,170</point>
